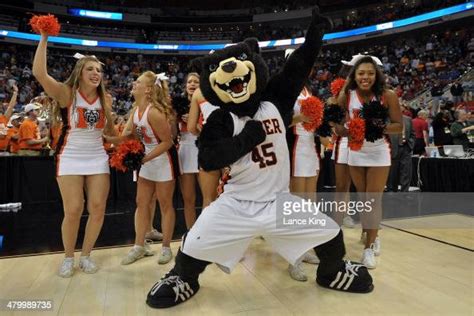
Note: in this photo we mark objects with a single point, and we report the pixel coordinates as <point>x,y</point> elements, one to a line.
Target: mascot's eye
<point>243,56</point>
<point>212,67</point>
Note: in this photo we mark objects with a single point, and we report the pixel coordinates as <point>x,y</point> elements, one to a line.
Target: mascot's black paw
<point>171,290</point>
<point>255,129</point>
<point>323,21</point>
<point>351,277</point>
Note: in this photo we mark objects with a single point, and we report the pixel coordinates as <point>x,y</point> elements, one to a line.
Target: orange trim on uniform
<point>63,145</point>
<point>85,99</point>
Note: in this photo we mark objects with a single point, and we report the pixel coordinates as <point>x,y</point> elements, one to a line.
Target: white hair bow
<point>355,59</point>
<point>159,78</point>
<point>80,56</point>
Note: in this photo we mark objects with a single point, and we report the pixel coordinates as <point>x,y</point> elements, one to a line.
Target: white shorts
<point>161,169</point>
<point>340,154</point>
<point>188,158</point>
<point>304,157</point>
<point>377,154</point>
<point>226,227</point>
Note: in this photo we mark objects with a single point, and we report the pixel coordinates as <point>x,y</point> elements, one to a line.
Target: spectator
<point>31,141</point>
<point>402,150</point>
<point>13,134</point>
<point>4,118</point>
<point>420,126</point>
<point>460,129</point>
<point>436,93</point>
<point>457,91</point>
<point>441,131</point>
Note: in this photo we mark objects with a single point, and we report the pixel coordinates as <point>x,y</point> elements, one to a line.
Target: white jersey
<point>80,150</point>
<point>161,168</point>
<point>144,130</point>
<point>263,173</point>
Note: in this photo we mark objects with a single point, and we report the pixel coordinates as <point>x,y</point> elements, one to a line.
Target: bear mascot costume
<point>245,136</point>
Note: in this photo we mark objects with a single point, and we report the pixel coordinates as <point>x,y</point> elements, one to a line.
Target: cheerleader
<point>369,166</point>
<point>304,166</point>
<point>82,165</point>
<point>198,113</point>
<point>188,151</point>
<point>150,122</point>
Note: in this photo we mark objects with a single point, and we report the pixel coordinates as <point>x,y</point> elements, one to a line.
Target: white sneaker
<point>348,222</point>
<point>165,255</point>
<point>67,268</point>
<point>368,258</point>
<point>377,246</point>
<point>87,265</point>
<point>308,257</point>
<point>137,252</point>
<point>154,235</point>
<point>297,273</point>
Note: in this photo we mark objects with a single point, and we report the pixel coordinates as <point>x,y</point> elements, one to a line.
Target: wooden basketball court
<point>420,272</point>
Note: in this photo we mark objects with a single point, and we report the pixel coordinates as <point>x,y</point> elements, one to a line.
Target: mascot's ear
<point>196,64</point>
<point>253,44</point>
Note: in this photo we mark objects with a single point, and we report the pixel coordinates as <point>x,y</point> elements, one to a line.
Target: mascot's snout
<point>234,80</point>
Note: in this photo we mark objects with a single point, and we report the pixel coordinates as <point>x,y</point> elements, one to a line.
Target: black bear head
<point>234,78</point>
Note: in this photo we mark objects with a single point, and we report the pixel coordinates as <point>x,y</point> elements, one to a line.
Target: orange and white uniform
<point>372,154</point>
<point>80,149</point>
<point>304,156</point>
<point>163,168</point>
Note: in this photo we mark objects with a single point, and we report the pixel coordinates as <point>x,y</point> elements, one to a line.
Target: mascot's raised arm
<point>236,80</point>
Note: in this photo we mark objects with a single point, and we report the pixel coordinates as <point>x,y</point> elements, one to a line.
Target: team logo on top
<point>141,133</point>
<point>90,119</point>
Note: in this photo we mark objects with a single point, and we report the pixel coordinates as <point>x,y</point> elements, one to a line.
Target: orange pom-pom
<point>116,161</point>
<point>337,85</point>
<point>313,108</point>
<point>356,128</point>
<point>128,155</point>
<point>46,23</point>
<point>132,146</point>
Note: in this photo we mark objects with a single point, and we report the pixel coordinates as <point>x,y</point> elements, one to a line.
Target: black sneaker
<point>171,290</point>
<point>352,277</point>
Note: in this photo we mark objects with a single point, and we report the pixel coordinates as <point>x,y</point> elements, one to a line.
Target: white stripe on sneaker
<point>342,281</point>
<point>349,282</point>
<point>336,279</point>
